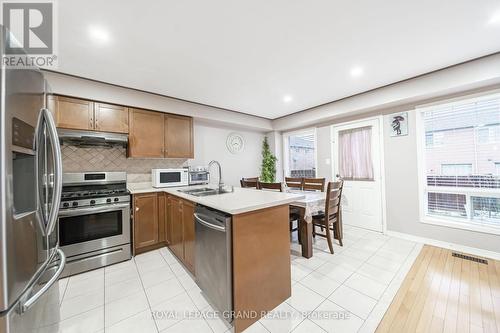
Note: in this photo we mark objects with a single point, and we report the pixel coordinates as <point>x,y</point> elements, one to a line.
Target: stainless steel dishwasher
<point>213,264</point>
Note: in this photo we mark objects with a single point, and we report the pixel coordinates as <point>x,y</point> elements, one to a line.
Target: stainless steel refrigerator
<point>30,190</point>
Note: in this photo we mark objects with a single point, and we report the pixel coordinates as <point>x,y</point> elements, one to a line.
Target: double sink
<point>205,191</point>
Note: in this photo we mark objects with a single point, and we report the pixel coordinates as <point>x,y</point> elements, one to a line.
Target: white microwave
<point>169,177</point>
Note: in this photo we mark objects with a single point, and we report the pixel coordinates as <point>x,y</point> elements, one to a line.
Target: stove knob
<point>65,204</point>
<point>117,199</point>
<point>75,203</point>
<point>108,200</point>
<point>92,202</point>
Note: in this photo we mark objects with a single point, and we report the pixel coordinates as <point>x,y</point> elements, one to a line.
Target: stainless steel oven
<point>94,222</point>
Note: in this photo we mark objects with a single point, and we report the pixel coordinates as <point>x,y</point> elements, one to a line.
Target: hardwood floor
<point>442,293</point>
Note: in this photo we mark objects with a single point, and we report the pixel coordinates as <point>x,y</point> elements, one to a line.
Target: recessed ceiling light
<point>99,35</point>
<point>495,18</point>
<point>287,98</point>
<point>357,71</point>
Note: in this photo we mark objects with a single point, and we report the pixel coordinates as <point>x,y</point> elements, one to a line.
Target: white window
<point>434,139</point>
<point>300,154</point>
<point>459,179</point>
<point>488,134</point>
<point>456,169</point>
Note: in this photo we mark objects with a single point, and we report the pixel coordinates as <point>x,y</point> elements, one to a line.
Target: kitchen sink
<point>205,191</point>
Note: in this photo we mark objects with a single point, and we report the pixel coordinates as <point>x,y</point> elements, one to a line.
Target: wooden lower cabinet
<point>189,236</point>
<point>161,219</point>
<point>176,244</point>
<point>151,221</point>
<point>146,231</point>
<point>182,236</point>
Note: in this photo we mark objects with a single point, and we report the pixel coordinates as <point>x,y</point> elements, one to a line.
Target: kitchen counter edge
<point>286,198</point>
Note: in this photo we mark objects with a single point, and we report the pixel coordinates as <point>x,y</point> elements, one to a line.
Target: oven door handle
<point>93,210</point>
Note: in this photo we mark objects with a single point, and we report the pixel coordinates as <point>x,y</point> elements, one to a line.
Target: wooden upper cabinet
<point>151,134</point>
<point>146,129</point>
<point>188,234</point>
<point>72,113</point>
<point>146,228</point>
<point>111,118</point>
<point>178,136</point>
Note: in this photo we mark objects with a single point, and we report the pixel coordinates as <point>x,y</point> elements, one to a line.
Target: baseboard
<point>452,246</point>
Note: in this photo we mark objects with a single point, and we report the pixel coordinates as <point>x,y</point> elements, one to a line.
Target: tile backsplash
<point>76,159</point>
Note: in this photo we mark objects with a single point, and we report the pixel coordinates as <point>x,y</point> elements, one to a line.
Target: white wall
<point>210,144</point>
<point>323,153</point>
<point>276,146</point>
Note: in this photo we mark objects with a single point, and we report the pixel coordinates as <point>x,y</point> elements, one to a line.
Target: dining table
<point>312,203</point>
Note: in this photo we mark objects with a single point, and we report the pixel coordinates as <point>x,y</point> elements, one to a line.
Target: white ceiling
<point>249,55</point>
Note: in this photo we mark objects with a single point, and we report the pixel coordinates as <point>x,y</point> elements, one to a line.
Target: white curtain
<point>355,154</point>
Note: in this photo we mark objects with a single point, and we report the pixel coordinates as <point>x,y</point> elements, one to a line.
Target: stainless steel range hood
<point>88,139</point>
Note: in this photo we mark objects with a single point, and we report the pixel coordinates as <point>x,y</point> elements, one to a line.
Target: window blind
<point>461,152</point>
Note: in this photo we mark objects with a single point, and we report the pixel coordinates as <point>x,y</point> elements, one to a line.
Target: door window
<point>355,154</point>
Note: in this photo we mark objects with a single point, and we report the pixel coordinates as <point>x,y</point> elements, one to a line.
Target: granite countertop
<point>242,200</point>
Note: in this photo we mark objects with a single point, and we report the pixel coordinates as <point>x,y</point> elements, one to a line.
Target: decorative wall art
<point>399,124</point>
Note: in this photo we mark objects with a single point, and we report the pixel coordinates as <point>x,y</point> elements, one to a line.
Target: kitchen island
<point>261,278</point>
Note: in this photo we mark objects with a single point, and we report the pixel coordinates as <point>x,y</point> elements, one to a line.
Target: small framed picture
<point>399,124</point>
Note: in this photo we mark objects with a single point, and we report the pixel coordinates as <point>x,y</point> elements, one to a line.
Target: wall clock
<point>235,143</point>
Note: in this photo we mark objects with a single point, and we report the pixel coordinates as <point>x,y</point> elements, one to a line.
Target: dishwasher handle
<point>208,224</point>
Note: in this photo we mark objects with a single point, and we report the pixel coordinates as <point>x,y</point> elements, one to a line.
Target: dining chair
<point>270,186</point>
<point>294,183</point>
<point>331,218</point>
<point>313,184</point>
<point>251,182</point>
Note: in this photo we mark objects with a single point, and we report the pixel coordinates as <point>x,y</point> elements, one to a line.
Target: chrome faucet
<point>221,184</point>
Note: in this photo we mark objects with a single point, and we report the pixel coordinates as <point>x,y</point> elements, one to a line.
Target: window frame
<point>455,165</point>
<point>445,221</point>
<point>286,152</point>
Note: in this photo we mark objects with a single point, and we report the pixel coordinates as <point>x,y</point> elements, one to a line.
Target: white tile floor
<point>357,284</point>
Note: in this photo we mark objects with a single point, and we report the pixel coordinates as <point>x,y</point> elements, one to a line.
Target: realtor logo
<point>30,26</point>
<point>30,37</point>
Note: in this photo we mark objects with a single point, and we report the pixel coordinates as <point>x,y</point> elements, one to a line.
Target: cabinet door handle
<point>136,209</point>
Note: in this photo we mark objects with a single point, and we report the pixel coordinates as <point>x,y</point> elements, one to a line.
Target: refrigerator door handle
<point>25,305</point>
<point>57,156</point>
<point>41,176</point>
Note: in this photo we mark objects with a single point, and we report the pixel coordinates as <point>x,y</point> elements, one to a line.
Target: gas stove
<point>93,189</point>
<point>94,220</point>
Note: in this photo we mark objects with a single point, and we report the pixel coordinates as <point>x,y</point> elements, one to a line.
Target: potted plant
<point>268,169</point>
